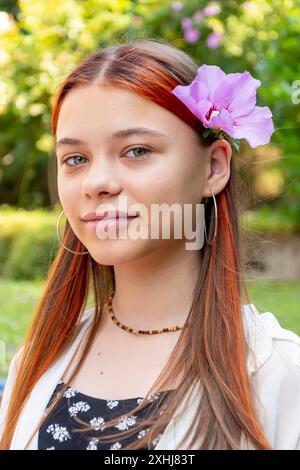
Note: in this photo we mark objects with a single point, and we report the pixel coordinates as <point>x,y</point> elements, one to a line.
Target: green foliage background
<point>47,39</point>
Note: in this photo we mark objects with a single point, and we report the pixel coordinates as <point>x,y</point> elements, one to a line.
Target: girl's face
<point>105,163</point>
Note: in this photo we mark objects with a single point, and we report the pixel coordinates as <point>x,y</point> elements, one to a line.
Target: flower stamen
<point>212,112</point>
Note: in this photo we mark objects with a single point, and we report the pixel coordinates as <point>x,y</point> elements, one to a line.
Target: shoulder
<point>13,366</point>
<point>82,324</point>
<point>12,372</point>
<point>268,340</point>
<point>274,368</point>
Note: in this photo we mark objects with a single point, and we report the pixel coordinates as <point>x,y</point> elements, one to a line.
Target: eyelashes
<point>69,158</point>
<point>139,157</point>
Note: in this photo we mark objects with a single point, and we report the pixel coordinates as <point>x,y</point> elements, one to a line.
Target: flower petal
<point>202,109</point>
<point>256,127</point>
<point>242,87</point>
<point>183,94</point>
<point>211,76</point>
<point>223,121</point>
<point>198,90</point>
<point>244,99</point>
<point>223,94</point>
<point>234,97</point>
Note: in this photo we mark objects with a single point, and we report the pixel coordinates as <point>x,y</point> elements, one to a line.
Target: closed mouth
<point>111,218</point>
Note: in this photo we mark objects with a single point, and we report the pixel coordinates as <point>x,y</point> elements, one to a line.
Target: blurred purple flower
<point>228,102</point>
<point>198,15</point>
<point>213,40</point>
<point>191,35</point>
<point>249,6</point>
<point>211,10</point>
<point>177,6</point>
<point>186,23</point>
<point>137,19</point>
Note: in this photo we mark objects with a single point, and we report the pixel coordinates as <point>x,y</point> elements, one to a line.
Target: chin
<point>114,252</point>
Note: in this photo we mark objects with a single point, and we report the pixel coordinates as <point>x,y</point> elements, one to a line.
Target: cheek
<point>170,185</point>
<point>188,183</point>
<point>69,194</point>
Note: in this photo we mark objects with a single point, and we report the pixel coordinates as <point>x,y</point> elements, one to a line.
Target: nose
<point>101,178</point>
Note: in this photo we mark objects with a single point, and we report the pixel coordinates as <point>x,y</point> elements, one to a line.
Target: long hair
<point>212,347</point>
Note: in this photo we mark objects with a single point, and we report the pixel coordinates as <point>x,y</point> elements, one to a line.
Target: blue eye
<point>73,156</point>
<point>142,156</point>
<point>139,157</point>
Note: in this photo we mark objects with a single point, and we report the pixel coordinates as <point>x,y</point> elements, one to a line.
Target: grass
<point>267,221</point>
<point>19,298</point>
<point>279,298</point>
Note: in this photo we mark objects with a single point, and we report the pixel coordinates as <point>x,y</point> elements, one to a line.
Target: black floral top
<point>56,432</point>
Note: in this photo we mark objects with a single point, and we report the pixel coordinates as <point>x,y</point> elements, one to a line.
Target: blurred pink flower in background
<point>249,6</point>
<point>137,19</point>
<point>186,23</point>
<point>211,10</point>
<point>213,40</point>
<point>198,15</point>
<point>177,6</point>
<point>191,35</point>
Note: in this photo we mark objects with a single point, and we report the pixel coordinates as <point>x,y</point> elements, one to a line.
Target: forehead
<point>94,110</point>
<point>103,106</point>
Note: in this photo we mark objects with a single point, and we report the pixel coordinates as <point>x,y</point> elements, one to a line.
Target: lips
<point>92,217</point>
<point>103,219</point>
<point>105,225</point>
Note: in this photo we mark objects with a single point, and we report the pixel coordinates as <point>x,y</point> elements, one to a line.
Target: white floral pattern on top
<point>98,423</point>
<point>142,433</point>
<point>57,433</point>
<point>92,444</point>
<point>126,422</point>
<point>70,393</point>
<point>116,446</point>
<point>153,397</point>
<point>79,406</point>
<point>112,403</point>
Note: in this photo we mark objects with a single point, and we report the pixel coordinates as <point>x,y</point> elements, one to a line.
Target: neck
<point>156,291</point>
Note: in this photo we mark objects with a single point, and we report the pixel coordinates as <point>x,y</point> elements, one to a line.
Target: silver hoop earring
<point>61,242</point>
<point>216,223</point>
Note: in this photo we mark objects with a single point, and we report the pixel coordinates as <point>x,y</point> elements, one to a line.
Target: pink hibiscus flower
<point>228,102</point>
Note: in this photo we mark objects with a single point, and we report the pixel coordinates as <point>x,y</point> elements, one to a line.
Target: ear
<point>218,174</point>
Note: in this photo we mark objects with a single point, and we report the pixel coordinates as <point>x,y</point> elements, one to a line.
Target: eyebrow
<point>117,135</point>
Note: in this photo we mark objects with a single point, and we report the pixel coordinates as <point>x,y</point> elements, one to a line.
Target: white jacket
<point>273,366</point>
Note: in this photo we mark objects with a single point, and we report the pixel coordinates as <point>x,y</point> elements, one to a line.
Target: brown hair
<point>215,349</point>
